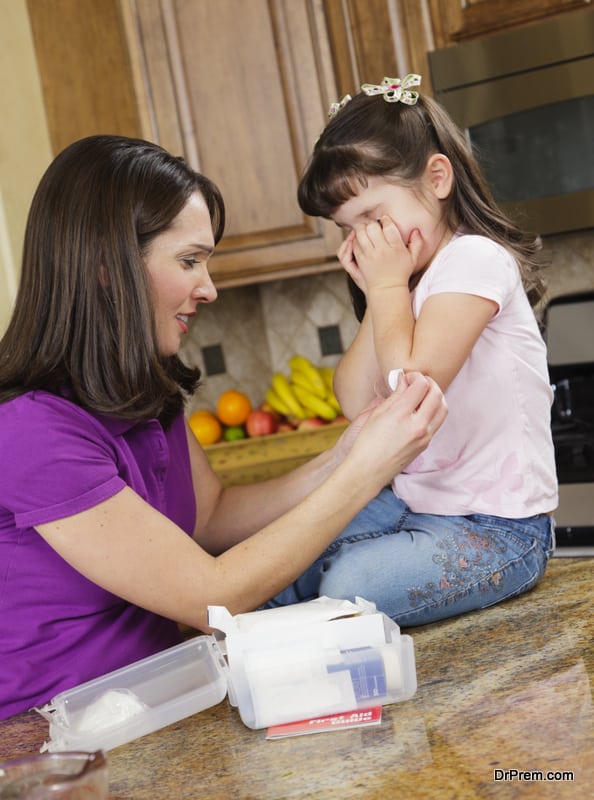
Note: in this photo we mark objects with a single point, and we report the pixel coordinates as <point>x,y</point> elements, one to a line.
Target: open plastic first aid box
<point>277,665</point>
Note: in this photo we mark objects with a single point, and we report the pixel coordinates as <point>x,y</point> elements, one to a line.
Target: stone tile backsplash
<point>259,327</point>
<point>572,263</point>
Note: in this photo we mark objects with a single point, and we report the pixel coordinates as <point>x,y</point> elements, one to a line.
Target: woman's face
<point>177,265</point>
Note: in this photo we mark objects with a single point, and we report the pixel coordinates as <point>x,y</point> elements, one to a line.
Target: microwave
<point>525,99</point>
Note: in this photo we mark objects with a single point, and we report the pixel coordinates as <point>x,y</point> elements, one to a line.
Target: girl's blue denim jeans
<point>419,568</point>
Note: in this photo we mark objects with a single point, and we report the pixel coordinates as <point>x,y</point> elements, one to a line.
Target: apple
<point>285,427</point>
<point>260,423</point>
<point>310,422</point>
<point>339,418</point>
<point>268,408</point>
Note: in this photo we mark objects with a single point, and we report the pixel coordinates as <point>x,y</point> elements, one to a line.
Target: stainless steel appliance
<point>526,99</point>
<point>569,332</point>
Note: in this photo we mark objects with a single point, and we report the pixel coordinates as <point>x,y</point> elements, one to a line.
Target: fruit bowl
<point>264,457</point>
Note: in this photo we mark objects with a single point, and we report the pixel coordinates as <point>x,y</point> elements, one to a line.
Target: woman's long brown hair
<point>82,323</point>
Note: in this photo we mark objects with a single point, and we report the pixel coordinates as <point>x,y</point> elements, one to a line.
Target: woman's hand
<point>392,432</point>
<point>133,551</point>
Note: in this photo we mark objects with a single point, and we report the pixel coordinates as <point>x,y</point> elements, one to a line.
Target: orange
<point>233,407</point>
<point>205,427</point>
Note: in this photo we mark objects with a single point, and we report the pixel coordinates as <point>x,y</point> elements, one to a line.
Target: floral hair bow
<point>394,89</point>
<point>335,107</point>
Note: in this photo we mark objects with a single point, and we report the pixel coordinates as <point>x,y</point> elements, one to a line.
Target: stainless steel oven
<point>569,332</point>
<point>526,99</point>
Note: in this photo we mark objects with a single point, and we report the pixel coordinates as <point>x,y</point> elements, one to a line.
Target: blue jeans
<point>419,568</point>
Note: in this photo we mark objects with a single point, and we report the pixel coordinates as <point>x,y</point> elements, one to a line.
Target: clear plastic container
<point>138,699</point>
<point>282,665</point>
<point>325,668</point>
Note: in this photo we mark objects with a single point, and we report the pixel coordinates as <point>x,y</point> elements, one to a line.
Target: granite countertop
<point>506,688</point>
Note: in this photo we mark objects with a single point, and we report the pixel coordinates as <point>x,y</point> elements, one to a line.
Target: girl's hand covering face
<point>376,256</point>
<point>347,259</point>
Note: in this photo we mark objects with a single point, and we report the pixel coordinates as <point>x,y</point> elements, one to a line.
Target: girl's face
<point>176,263</point>
<point>410,210</point>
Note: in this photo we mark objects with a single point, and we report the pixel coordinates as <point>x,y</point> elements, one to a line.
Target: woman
<point>113,526</point>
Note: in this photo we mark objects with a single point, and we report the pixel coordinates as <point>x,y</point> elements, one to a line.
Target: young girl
<point>441,283</point>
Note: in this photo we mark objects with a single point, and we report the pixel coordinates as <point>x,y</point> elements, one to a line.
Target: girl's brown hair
<point>83,318</point>
<point>370,137</point>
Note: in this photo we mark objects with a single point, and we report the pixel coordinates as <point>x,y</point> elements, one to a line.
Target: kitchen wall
<point>250,332</point>
<point>24,142</point>
<point>258,328</point>
<point>571,262</point>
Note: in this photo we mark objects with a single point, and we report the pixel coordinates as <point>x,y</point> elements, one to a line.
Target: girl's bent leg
<point>377,519</point>
<point>435,567</point>
<point>419,568</point>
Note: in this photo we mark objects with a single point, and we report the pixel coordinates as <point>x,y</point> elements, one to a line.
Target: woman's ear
<point>440,174</point>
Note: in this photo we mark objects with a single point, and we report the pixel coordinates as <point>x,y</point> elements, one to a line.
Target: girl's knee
<point>343,578</point>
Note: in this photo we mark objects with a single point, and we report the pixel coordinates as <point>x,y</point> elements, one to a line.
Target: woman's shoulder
<point>40,404</point>
<point>40,416</point>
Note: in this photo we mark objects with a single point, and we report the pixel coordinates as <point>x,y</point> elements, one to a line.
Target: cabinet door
<point>455,20</point>
<point>241,90</point>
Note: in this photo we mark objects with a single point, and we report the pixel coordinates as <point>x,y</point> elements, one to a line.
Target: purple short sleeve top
<point>58,629</point>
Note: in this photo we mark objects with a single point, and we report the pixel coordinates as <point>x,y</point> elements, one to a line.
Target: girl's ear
<point>440,174</point>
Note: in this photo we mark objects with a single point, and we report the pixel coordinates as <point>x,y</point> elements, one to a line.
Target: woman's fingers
<point>432,401</point>
<point>434,408</point>
<point>393,432</point>
<point>420,403</point>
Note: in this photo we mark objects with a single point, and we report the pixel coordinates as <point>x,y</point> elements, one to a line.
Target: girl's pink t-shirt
<point>494,452</point>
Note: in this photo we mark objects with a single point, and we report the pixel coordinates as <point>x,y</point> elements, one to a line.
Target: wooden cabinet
<point>240,89</point>
<point>84,68</point>
<point>371,39</point>
<point>457,20</point>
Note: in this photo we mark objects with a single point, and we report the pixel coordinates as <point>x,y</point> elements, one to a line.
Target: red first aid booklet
<point>349,719</point>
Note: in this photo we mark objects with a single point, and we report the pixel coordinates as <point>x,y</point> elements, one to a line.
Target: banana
<point>299,378</point>
<point>332,401</point>
<point>309,412</point>
<point>276,403</point>
<point>304,365</point>
<point>281,386</point>
<point>327,374</point>
<point>320,407</point>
